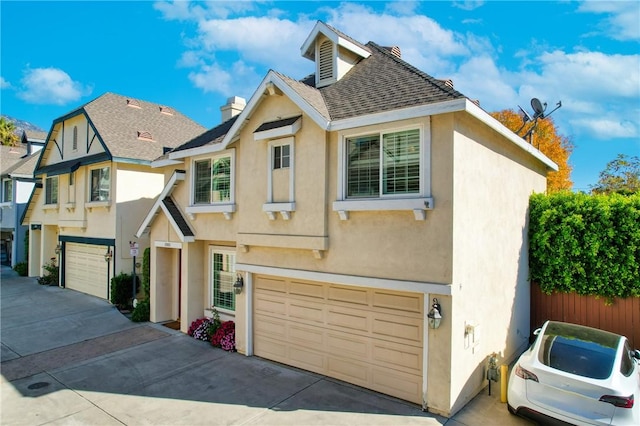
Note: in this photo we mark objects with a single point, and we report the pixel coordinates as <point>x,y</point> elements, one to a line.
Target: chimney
<point>233,107</point>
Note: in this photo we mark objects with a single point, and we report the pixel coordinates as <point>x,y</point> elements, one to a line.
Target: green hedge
<point>122,290</point>
<point>588,244</point>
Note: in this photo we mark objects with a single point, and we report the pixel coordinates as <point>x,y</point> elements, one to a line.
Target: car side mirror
<point>537,331</point>
<point>636,354</point>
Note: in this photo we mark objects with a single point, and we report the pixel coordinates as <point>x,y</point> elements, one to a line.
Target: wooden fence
<point>621,317</point>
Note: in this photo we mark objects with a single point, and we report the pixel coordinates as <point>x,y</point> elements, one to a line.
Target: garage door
<point>86,269</point>
<point>369,337</point>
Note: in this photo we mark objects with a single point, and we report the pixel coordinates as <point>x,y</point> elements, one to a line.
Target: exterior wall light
<point>108,256</point>
<point>237,286</point>
<point>59,248</point>
<point>435,314</point>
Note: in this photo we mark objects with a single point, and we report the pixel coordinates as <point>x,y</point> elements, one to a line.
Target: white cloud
<point>216,79</point>
<point>607,127</point>
<point>4,84</point>
<point>621,22</point>
<point>50,86</point>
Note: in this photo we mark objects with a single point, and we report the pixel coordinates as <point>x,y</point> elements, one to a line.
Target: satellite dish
<point>525,115</point>
<point>538,108</point>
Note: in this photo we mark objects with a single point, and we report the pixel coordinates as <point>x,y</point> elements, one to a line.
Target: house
<point>18,163</point>
<point>97,185</point>
<point>331,217</point>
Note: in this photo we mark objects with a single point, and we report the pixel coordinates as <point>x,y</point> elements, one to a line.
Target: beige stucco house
<point>349,203</point>
<point>97,185</point>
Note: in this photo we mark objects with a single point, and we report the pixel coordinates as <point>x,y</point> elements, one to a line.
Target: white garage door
<point>369,337</point>
<point>86,269</point>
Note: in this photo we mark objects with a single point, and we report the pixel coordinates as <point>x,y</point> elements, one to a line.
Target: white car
<point>576,375</point>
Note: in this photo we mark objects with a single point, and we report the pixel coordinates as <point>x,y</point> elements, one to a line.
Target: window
<point>7,190</point>
<point>376,169</point>
<point>100,184</point>
<point>72,191</point>
<point>75,138</point>
<point>281,157</point>
<point>51,190</point>
<point>212,180</point>
<point>223,277</point>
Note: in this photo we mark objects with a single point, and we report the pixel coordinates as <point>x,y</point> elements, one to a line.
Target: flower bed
<point>221,334</point>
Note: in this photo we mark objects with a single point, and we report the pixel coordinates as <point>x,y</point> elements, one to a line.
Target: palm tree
<point>8,134</point>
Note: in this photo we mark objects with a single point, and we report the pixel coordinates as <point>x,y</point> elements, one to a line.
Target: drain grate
<point>38,385</point>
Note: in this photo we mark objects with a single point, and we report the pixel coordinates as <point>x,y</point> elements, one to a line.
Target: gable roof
<point>124,124</point>
<point>338,37</point>
<point>10,156</point>
<point>24,168</point>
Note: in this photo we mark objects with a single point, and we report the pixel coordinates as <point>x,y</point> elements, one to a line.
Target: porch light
<point>59,248</point>
<point>435,314</point>
<point>108,255</point>
<point>237,286</point>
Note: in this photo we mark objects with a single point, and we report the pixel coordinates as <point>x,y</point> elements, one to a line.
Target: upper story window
<point>74,144</point>
<point>7,191</point>
<point>100,185</point>
<point>383,164</point>
<point>51,190</point>
<point>281,156</point>
<point>212,180</point>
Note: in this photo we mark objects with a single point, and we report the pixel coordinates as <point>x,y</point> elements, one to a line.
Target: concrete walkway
<point>70,358</point>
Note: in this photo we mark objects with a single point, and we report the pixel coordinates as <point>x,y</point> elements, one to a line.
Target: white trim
<point>165,162</point>
<point>248,294</point>
<point>358,281</point>
<point>225,251</point>
<point>167,244</point>
<point>176,177</point>
<point>321,27</point>
<point>183,238</point>
<point>425,351</point>
<point>225,209</point>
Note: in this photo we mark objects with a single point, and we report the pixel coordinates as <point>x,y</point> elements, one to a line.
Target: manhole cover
<point>38,385</point>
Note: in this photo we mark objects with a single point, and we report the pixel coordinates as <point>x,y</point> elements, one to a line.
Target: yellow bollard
<point>504,370</point>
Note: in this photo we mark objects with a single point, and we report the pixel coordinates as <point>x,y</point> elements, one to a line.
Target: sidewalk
<point>70,358</point>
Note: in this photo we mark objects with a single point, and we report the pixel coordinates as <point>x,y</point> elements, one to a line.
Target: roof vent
<point>395,51</point>
<point>447,82</point>
<point>145,136</point>
<point>166,110</point>
<point>133,103</point>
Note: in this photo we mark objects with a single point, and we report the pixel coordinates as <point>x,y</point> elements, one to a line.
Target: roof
<point>23,168</point>
<point>10,156</point>
<point>35,135</point>
<point>211,136</point>
<point>383,82</point>
<point>120,120</point>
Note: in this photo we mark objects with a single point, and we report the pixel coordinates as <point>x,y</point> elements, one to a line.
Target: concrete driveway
<point>70,358</point>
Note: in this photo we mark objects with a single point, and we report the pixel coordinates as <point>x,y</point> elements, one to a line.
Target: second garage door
<point>86,269</point>
<point>365,336</point>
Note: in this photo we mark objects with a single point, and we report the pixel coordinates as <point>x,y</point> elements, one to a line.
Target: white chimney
<point>233,107</point>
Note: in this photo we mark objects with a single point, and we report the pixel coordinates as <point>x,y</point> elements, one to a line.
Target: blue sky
<point>192,56</point>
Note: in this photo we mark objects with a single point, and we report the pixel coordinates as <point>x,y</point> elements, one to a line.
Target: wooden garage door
<point>369,337</point>
<point>86,269</point>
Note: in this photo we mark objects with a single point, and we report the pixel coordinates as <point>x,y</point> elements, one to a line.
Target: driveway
<point>70,358</point>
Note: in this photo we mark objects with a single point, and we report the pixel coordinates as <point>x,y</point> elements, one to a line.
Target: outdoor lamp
<point>237,286</point>
<point>108,255</point>
<point>435,314</point>
<point>58,248</point>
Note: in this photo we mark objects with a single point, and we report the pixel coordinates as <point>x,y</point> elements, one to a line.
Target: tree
<point>621,176</point>
<point>549,142</point>
<point>8,134</point>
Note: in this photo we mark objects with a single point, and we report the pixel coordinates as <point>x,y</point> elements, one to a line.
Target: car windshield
<point>584,351</point>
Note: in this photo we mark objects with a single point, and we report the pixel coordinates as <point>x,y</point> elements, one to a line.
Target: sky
<point>56,56</point>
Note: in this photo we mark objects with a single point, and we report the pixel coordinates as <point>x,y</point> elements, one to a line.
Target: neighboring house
<point>346,205</point>
<point>97,185</point>
<point>18,181</point>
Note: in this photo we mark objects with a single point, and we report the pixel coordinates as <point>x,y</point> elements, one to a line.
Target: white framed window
<point>7,190</point>
<point>222,277</point>
<point>213,180</point>
<point>100,184</point>
<point>385,169</point>
<point>51,190</point>
<point>281,156</point>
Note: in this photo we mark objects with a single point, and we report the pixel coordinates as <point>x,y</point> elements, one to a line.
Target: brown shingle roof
<point>383,82</point>
<point>24,167</point>
<point>118,125</point>
<point>10,156</point>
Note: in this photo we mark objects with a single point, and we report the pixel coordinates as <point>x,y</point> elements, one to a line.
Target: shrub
<point>587,244</point>
<point>51,275</point>
<point>204,328</point>
<point>22,268</point>
<point>121,290</point>
<point>141,311</point>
